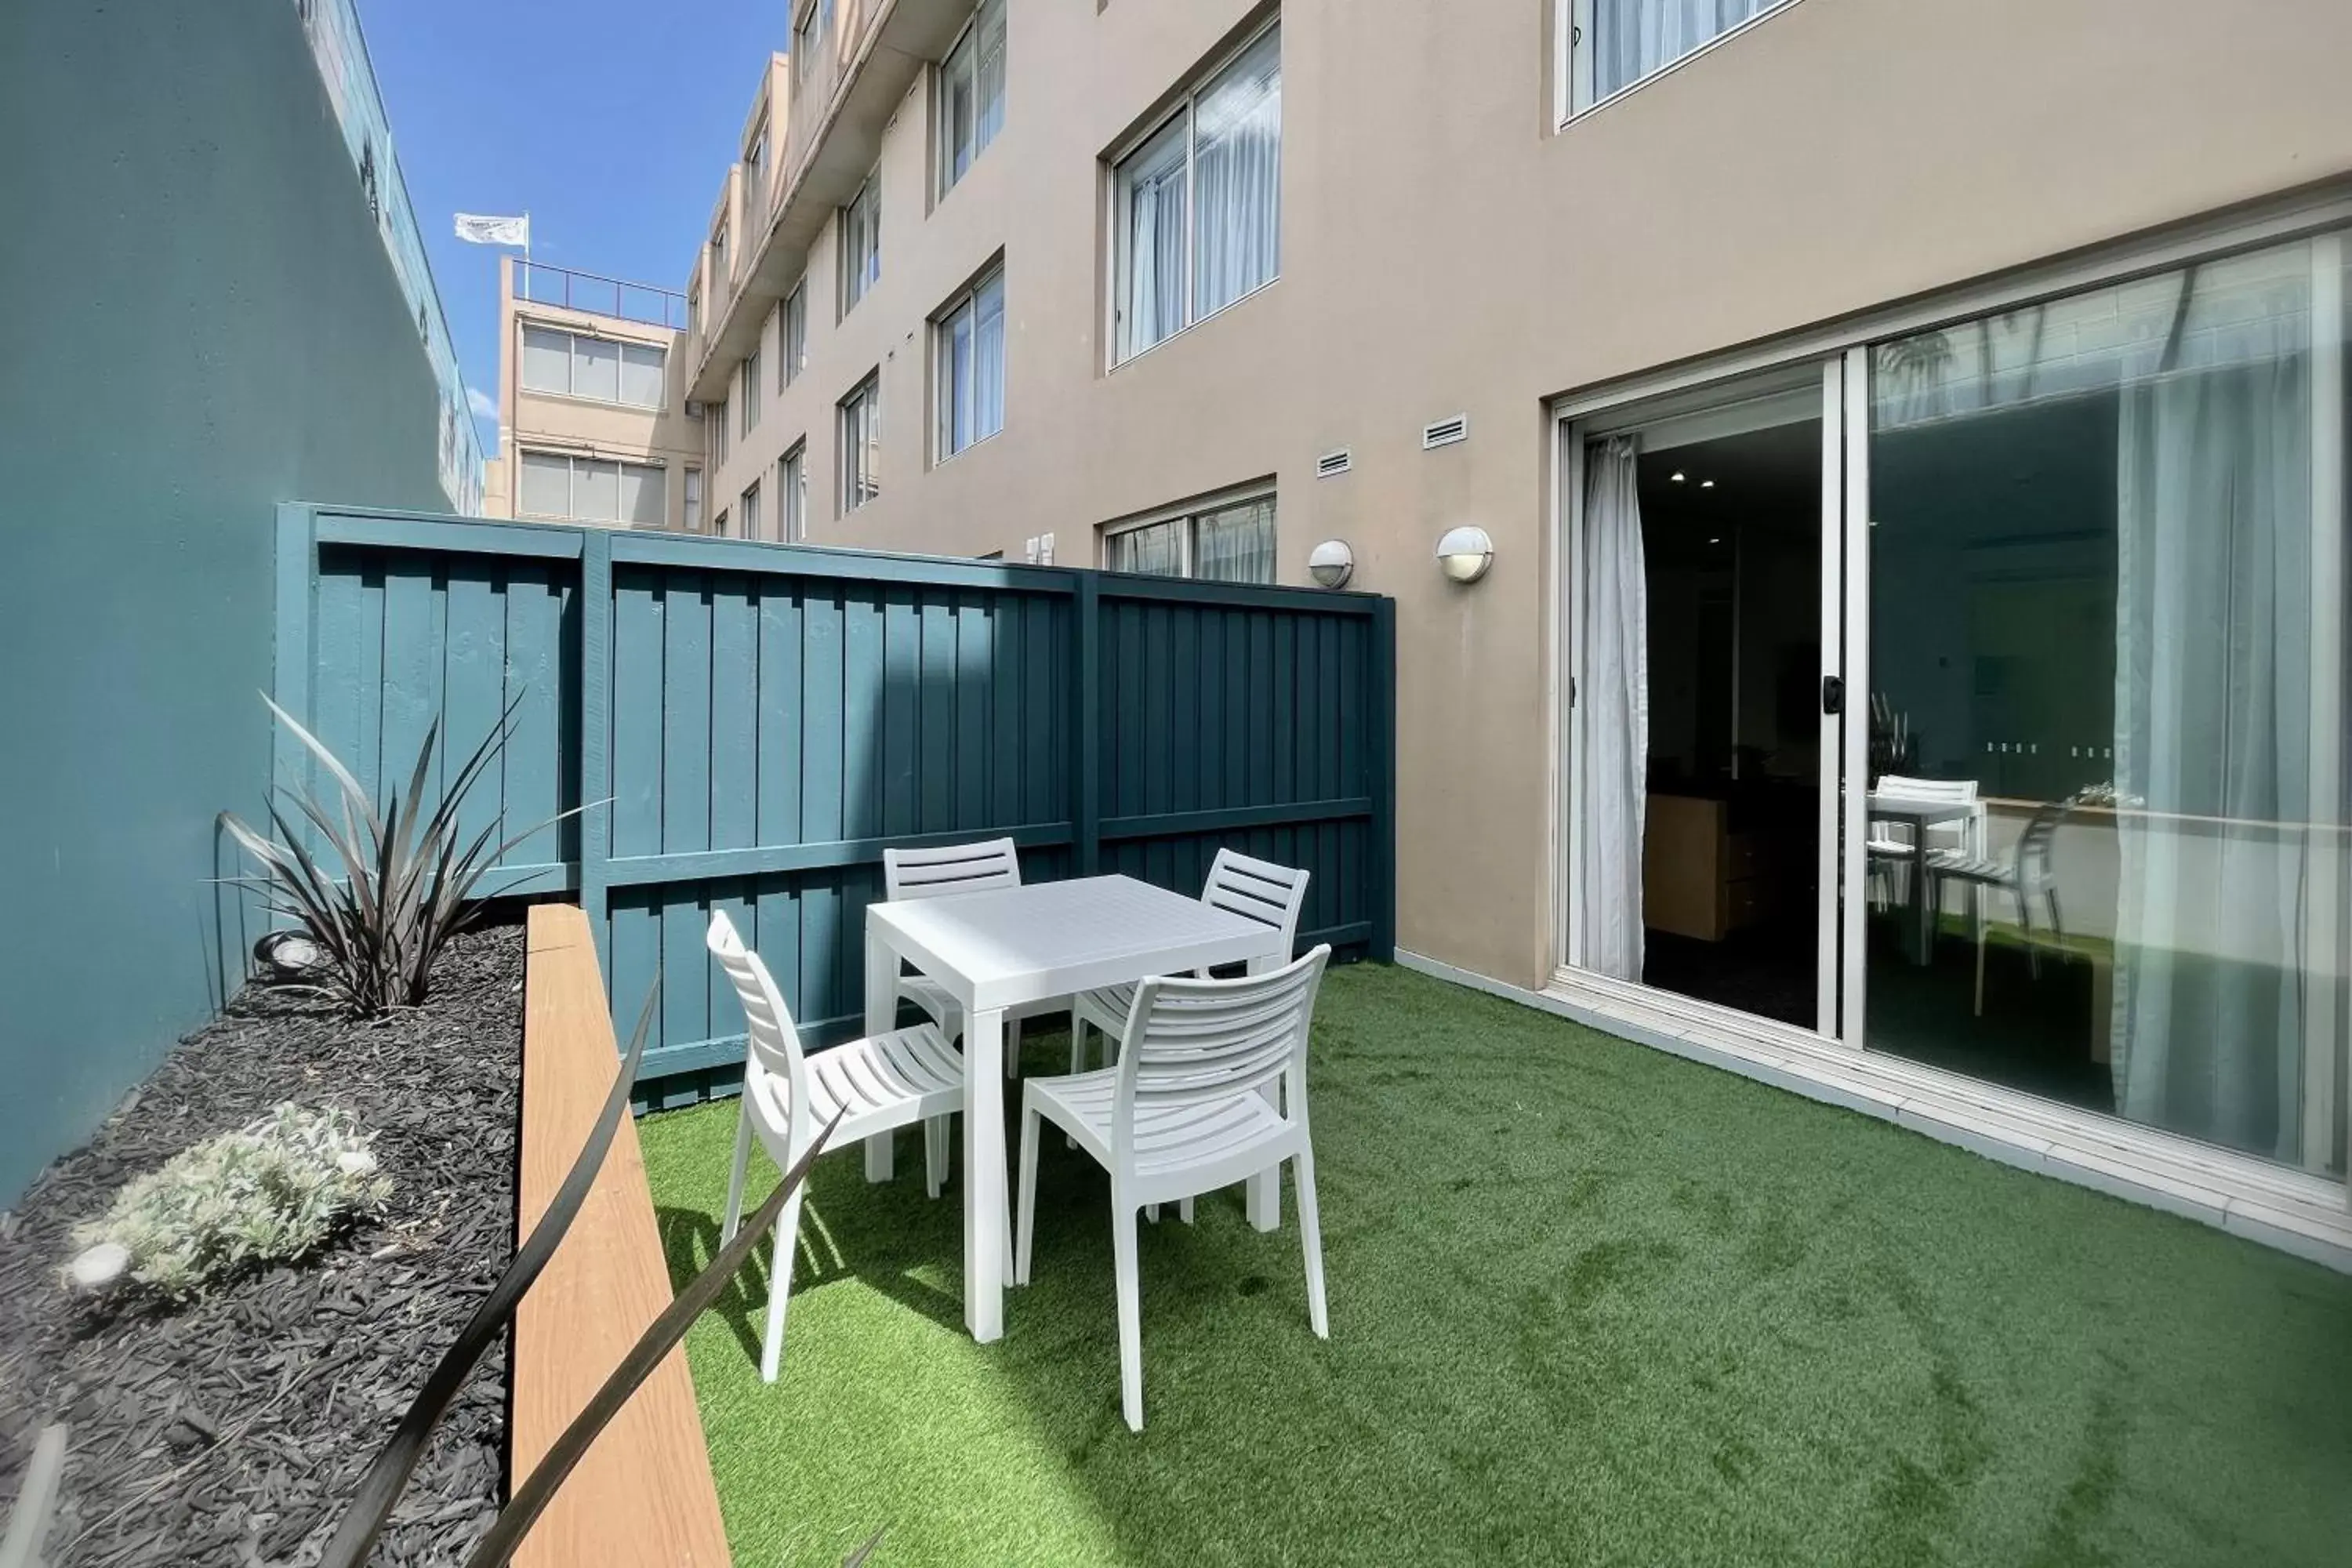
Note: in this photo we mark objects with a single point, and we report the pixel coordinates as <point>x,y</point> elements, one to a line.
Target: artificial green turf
<point>1589,1303</point>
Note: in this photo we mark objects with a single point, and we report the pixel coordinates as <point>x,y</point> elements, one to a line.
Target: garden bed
<point>231,1429</point>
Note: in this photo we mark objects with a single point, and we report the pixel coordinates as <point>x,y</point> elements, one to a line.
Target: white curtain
<point>988,373</point>
<point>1632,38</point>
<point>1613,760</point>
<point>1237,175</point>
<point>1235,543</point>
<point>2212,747</point>
<point>1154,179</point>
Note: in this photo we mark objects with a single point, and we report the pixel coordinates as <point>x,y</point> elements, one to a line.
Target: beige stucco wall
<point>1445,250</point>
<point>664,436</point>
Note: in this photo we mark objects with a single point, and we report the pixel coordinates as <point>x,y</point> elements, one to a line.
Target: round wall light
<point>1465,553</point>
<point>1332,563</point>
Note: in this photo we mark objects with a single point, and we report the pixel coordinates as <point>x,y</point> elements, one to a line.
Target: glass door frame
<point>1836,949</point>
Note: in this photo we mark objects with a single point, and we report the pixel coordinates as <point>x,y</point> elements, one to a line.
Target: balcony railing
<point>597,295</point>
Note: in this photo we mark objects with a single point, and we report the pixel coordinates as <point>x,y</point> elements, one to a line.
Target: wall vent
<point>1446,432</point>
<point>1331,465</point>
<point>693,409</point>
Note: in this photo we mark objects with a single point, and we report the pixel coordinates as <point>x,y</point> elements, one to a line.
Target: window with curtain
<point>861,242</point>
<point>861,443</point>
<point>970,106</point>
<point>1197,205</point>
<point>791,336</point>
<point>748,509</point>
<point>1232,541</point>
<point>694,501</point>
<point>1612,44</point>
<point>968,367</point>
<point>603,370</point>
<point>566,488</point>
<point>792,495</point>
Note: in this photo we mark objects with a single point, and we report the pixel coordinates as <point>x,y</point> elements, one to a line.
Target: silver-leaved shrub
<point>267,1193</point>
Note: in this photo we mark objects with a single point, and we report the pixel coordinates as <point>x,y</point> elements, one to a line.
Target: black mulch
<point>230,1430</point>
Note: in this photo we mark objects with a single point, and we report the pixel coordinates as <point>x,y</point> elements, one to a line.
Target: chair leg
<point>1078,1042</point>
<point>1980,950</point>
<point>780,1285</point>
<point>1130,1311</point>
<point>2057,927</point>
<point>1310,1229</point>
<point>935,1154</point>
<point>1013,1049</point>
<point>2025,925</point>
<point>1184,1210</point>
<point>1025,1220</point>
<point>735,1174</point>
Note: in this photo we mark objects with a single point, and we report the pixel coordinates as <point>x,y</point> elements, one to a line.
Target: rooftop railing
<point>597,295</point>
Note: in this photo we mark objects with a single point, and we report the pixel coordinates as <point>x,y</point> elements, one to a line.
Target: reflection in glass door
<point>2105,851</point>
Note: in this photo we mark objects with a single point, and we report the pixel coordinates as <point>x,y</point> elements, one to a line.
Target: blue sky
<point>610,122</point>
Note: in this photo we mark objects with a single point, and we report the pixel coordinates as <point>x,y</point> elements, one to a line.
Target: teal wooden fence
<point>752,724</point>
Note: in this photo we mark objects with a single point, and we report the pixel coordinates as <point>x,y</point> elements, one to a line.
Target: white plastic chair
<point>2026,875</point>
<point>1186,1111</point>
<point>1255,889</point>
<point>1888,846</point>
<point>879,1083</point>
<point>938,872</point>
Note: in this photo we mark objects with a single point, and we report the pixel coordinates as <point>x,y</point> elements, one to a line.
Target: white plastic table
<point>1920,813</point>
<point>996,949</point>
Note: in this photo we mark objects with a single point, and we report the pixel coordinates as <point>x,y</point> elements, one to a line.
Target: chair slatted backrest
<point>950,869</point>
<point>776,1043</point>
<point>2034,845</point>
<point>1190,1041</point>
<point>1259,890</point>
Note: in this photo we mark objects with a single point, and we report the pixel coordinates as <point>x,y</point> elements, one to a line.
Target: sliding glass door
<point>1702,773</point>
<point>2106,855</point>
<point>1977,697</point>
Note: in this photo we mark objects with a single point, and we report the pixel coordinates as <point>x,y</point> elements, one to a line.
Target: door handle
<point>1833,694</point>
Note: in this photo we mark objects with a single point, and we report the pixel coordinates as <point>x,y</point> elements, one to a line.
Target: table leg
<point>1261,1193</point>
<point>987,1230</point>
<point>881,1014</point>
<point>1922,949</point>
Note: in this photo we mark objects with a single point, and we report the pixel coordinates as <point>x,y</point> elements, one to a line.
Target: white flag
<point>483,230</point>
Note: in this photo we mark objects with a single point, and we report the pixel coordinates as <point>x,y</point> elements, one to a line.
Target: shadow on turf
<point>689,1238</point>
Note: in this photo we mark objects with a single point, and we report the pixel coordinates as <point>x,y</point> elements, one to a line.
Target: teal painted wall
<point>201,322</point>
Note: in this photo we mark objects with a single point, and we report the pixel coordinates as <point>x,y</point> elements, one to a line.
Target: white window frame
<point>748,507</point>
<point>691,500</point>
<point>718,435</point>
<point>722,262</point>
<point>525,324</point>
<point>1189,513</point>
<point>718,526</point>
<point>792,335</point>
<point>572,512</point>
<point>943,360</point>
<point>860,463</point>
<point>747,397</point>
<point>1114,327</point>
<point>855,283</point>
<point>1573,91</point>
<point>963,54</point>
<point>792,493</point>
<point>755,157</point>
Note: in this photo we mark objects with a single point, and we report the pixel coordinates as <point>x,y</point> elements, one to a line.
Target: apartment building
<point>1889,630</point>
<point>592,426</point>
